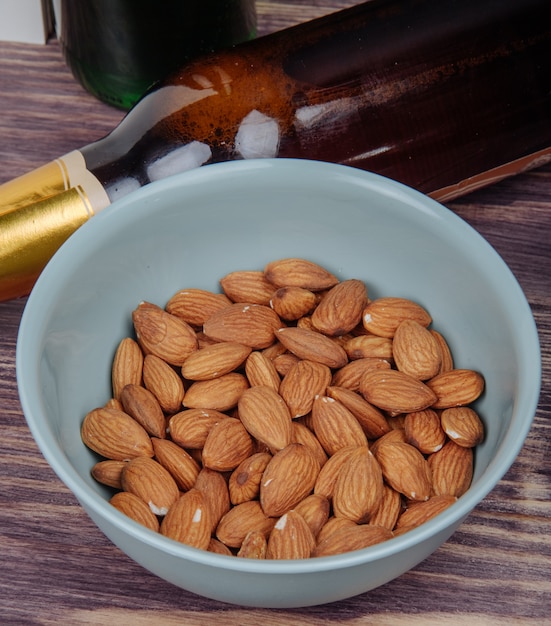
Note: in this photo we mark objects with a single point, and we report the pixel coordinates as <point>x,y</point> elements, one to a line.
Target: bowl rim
<point>28,375</point>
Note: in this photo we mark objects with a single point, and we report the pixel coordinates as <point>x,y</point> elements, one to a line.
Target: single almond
<point>244,481</point>
<point>359,487</point>
<point>288,478</point>
<point>227,445</point>
<point>127,365</point>
<point>109,473</point>
<point>329,473</point>
<point>163,334</point>
<point>340,310</point>
<point>302,434</point>
<point>395,435</point>
<point>284,362</point>
<point>115,435</point>
<point>446,357</point>
<point>405,469</point>
<point>214,361</point>
<point>179,463</point>
<point>457,387</point>
<point>214,487</point>
<point>261,371</point>
<point>424,430</point>
<point>254,546</point>
<point>368,346</point>
<point>247,286</point>
<point>164,383</point>
<point>463,426</point>
<point>335,426</point>
<point>292,303</point>
<point>150,481</point>
<point>352,373</point>
<point>452,469</point>
<point>349,538</point>
<point>242,519</point>
<point>333,524</point>
<point>416,351</point>
<point>188,520</point>
<point>291,538</point>
<point>315,509</point>
<point>312,346</point>
<point>296,272</point>
<point>143,406</point>
<point>371,419</point>
<point>382,316</point>
<point>217,547</point>
<point>250,324</point>
<point>220,393</point>
<point>389,509</point>
<point>195,306</point>
<point>190,428</point>
<point>135,508</point>
<point>302,383</point>
<point>266,417</point>
<point>418,513</point>
<point>391,390</point>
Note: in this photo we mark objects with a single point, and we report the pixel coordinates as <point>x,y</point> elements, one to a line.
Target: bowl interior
<point>191,229</point>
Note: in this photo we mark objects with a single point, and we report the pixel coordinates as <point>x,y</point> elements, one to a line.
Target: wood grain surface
<point>56,567</point>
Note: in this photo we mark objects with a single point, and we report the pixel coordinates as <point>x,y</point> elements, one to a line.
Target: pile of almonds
<point>287,417</point>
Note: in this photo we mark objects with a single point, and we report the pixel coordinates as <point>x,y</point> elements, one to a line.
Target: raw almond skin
<point>250,324</point>
<point>313,346</point>
<point>405,469</point>
<point>150,481</point>
<point>389,509</point>
<point>288,478</point>
<point>109,473</point>
<point>352,373</point>
<point>163,334</point>
<point>371,419</point>
<point>391,390</point>
<point>424,431</point>
<point>452,470</point>
<point>302,383</point>
<point>244,481</point>
<point>179,463</point>
<point>247,286</point>
<point>463,426</point>
<point>415,350</point>
<point>341,308</point>
<point>215,360</point>
<point>164,383</point>
<point>327,477</point>
<point>292,303</point>
<point>266,417</point>
<point>190,428</point>
<point>214,487</point>
<point>135,508</point>
<point>291,538</point>
<point>382,316</point>
<point>446,358</point>
<point>115,435</point>
<point>217,547</point>
<point>335,426</point>
<point>457,387</point>
<point>359,487</point>
<point>220,393</point>
<point>242,519</point>
<point>284,362</point>
<point>254,546</point>
<point>296,272</point>
<point>302,434</point>
<point>195,306</point>
<point>261,371</point>
<point>395,435</point>
<point>418,513</point>
<point>369,346</point>
<point>188,520</point>
<point>127,365</point>
<point>349,538</point>
<point>315,510</point>
<point>143,406</point>
<point>227,445</point>
<point>333,524</point>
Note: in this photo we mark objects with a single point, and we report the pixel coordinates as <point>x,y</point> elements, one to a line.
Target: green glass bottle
<point>118,48</point>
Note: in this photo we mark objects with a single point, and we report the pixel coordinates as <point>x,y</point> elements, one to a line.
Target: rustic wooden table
<point>57,567</point>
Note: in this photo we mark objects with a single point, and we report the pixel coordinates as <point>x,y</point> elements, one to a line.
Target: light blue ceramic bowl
<point>190,230</point>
